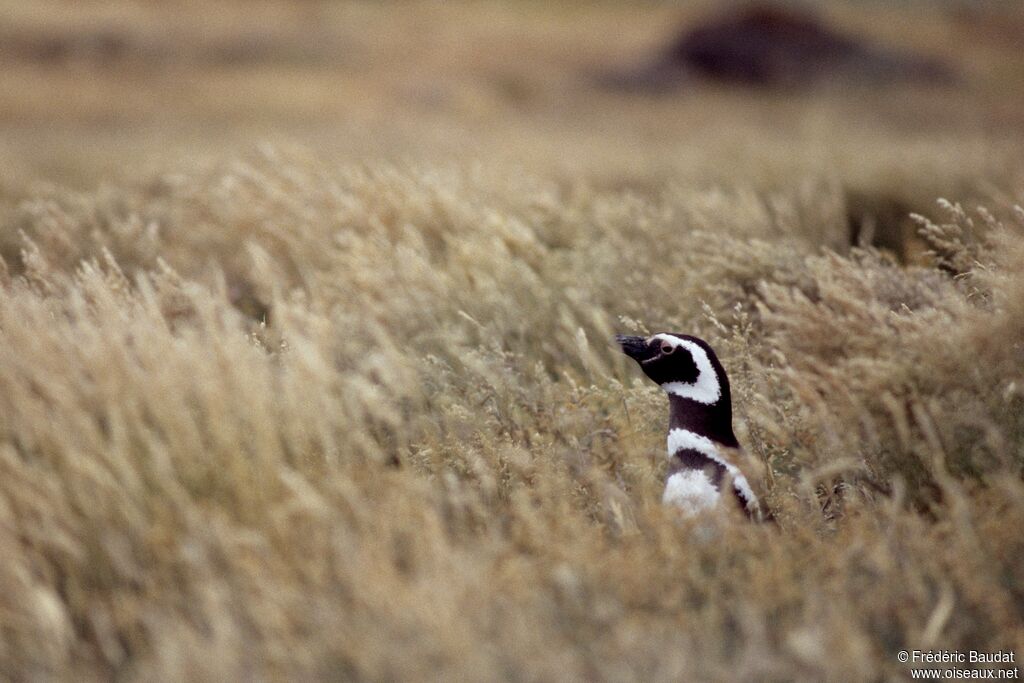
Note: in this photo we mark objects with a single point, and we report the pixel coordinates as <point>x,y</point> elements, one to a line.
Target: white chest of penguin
<point>691,491</point>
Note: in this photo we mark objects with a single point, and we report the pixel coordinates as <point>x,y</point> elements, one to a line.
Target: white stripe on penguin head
<point>706,388</point>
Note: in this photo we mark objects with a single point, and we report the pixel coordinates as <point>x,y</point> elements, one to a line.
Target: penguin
<point>701,442</point>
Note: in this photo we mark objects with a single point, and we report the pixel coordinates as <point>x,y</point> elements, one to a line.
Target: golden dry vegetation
<point>305,346</point>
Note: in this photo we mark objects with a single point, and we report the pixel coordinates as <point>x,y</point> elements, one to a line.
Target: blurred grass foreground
<point>305,322</point>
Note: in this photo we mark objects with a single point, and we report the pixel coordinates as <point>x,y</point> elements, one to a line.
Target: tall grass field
<point>307,367</point>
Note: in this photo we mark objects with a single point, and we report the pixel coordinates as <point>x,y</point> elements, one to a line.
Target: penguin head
<point>684,366</point>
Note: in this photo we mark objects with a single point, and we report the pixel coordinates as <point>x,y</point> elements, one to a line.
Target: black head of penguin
<point>661,358</point>
<point>691,374</point>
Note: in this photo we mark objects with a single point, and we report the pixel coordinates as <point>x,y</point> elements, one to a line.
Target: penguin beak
<point>634,347</point>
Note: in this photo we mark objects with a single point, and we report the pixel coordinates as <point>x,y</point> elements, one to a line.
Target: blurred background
<point>613,93</point>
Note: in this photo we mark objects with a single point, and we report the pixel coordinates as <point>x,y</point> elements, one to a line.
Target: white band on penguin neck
<point>685,439</point>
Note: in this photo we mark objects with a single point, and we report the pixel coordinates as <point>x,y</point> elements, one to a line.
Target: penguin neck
<point>712,421</point>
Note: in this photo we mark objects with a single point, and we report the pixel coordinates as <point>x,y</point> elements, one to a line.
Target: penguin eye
<point>667,349</point>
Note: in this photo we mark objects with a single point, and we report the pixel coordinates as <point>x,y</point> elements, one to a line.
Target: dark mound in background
<point>767,45</point>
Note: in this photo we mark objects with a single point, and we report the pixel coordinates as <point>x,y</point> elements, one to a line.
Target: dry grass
<point>353,413</point>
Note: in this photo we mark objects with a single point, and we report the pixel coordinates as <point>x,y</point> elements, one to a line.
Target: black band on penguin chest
<point>688,459</point>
